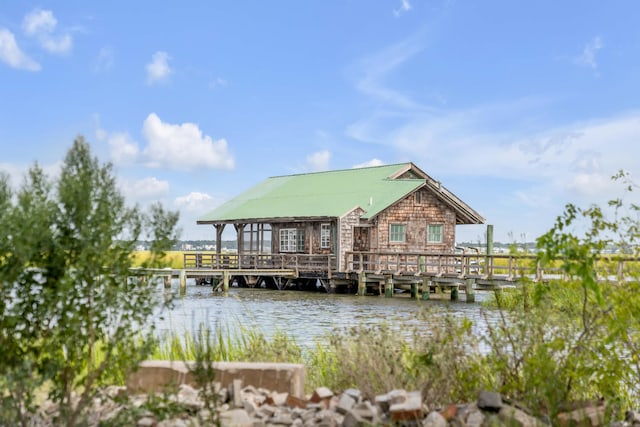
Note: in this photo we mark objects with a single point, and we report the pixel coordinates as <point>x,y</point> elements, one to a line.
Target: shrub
<point>66,295</point>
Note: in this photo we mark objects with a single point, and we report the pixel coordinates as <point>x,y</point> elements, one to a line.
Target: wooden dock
<point>377,273</point>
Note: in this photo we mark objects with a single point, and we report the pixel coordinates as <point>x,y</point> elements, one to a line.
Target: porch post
<point>219,229</point>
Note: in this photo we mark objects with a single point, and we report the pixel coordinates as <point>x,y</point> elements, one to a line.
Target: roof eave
<point>271,220</point>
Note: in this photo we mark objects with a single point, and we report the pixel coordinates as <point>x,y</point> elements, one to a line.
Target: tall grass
<point>242,344</point>
<point>441,361</point>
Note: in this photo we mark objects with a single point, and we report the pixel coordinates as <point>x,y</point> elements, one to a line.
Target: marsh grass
<point>243,343</point>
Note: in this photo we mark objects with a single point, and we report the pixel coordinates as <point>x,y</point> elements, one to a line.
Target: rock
<point>632,417</point>
<point>397,396</point>
<point>250,406</point>
<point>235,418</point>
<point>475,418</point>
<point>174,422</point>
<point>320,394</point>
<point>277,399</point>
<point>490,401</point>
<point>282,419</point>
<point>449,412</point>
<point>146,422</point>
<point>236,393</point>
<point>354,393</point>
<point>345,403</point>
<point>589,416</point>
<point>434,419</point>
<point>382,401</point>
<point>296,402</point>
<point>517,418</point>
<point>410,409</point>
<point>368,411</point>
<point>267,411</point>
<point>355,419</point>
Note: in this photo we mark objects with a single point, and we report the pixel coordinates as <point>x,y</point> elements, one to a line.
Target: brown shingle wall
<point>416,216</point>
<point>347,223</point>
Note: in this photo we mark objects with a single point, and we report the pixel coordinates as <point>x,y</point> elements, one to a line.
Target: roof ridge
<point>340,170</point>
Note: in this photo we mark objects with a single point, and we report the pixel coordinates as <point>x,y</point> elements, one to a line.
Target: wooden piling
<point>388,287</point>
<point>183,282</point>
<point>414,291</point>
<point>454,293</point>
<point>426,289</point>
<point>362,283</point>
<point>167,282</point>
<point>470,291</point>
<point>225,281</point>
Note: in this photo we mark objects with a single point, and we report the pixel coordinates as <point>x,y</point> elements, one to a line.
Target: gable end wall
<point>416,217</point>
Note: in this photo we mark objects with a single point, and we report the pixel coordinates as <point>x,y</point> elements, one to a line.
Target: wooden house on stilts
<point>327,227</point>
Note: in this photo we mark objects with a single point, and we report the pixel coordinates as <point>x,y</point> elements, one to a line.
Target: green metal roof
<point>321,194</point>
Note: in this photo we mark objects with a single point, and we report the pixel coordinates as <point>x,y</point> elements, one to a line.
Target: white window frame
<point>291,240</point>
<point>325,236</point>
<point>395,234</point>
<point>288,240</point>
<point>431,233</point>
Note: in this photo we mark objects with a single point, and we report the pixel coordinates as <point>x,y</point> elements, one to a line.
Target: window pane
<point>300,240</point>
<point>435,233</point>
<point>288,240</point>
<point>325,236</point>
<point>396,233</point>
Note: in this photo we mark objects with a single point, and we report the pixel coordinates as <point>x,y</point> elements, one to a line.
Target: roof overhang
<point>277,220</point>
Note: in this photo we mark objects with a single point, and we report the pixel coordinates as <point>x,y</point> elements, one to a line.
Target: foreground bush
<point>70,315</point>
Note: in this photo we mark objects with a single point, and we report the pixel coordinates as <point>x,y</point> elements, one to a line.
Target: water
<point>303,315</point>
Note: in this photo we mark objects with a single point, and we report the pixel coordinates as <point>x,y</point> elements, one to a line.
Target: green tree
<point>71,312</point>
<point>580,338</point>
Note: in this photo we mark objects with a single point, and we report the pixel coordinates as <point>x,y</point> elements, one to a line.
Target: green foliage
<point>441,361</point>
<point>65,289</point>
<point>577,339</point>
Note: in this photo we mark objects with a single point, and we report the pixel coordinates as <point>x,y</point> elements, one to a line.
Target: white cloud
<point>375,69</point>
<point>191,207</point>
<point>145,189</point>
<point>405,6</point>
<point>369,163</point>
<point>571,161</point>
<point>183,146</point>
<point>319,161</point>
<point>41,24</point>
<point>588,55</point>
<point>196,202</point>
<point>158,70</point>
<point>11,54</point>
<point>122,148</point>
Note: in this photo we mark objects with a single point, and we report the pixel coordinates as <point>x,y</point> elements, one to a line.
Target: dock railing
<point>507,267</point>
<point>298,262</point>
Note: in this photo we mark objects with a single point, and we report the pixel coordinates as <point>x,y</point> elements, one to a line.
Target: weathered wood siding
<point>345,233</point>
<point>312,236</point>
<point>416,213</point>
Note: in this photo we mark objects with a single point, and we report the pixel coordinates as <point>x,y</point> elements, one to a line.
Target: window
<point>434,233</point>
<point>325,236</point>
<point>292,240</point>
<point>418,197</point>
<point>396,233</point>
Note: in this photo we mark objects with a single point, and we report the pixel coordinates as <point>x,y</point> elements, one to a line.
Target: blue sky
<point>517,108</point>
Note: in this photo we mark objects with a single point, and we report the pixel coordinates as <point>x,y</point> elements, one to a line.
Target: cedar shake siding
<point>416,213</point>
